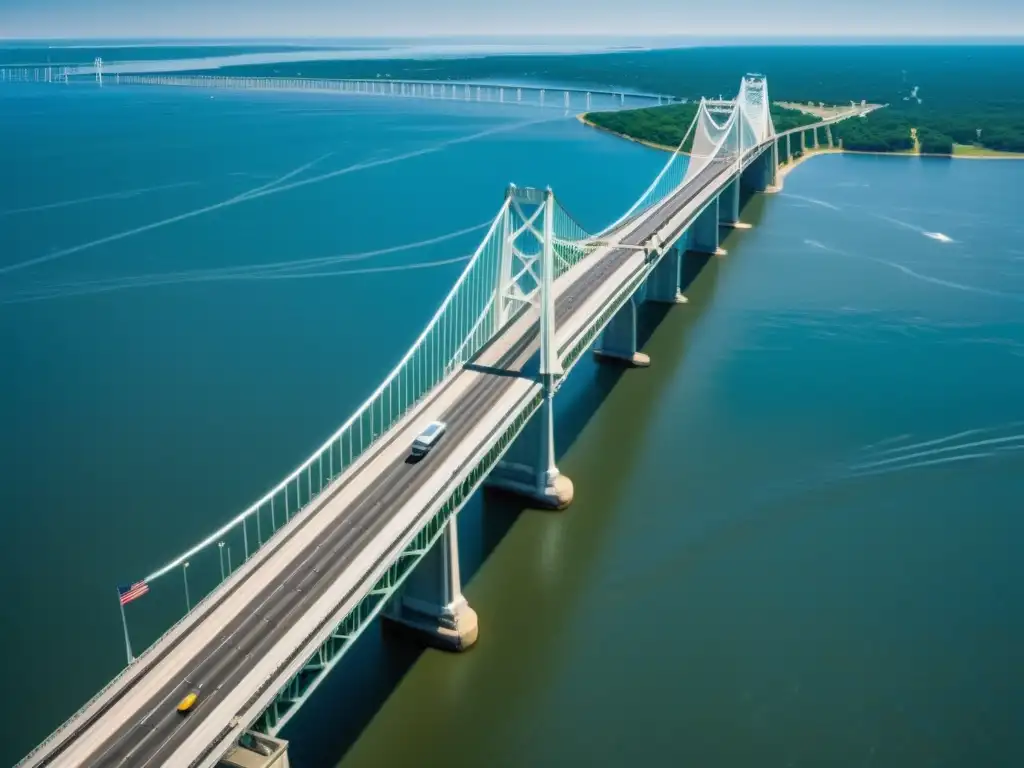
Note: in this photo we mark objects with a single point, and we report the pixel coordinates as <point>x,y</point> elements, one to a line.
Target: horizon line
<point>1019,37</point>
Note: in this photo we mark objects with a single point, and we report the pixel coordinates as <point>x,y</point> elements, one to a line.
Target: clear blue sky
<point>386,18</point>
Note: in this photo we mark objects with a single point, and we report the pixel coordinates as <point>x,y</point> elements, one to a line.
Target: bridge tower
<point>762,174</point>
<point>529,467</point>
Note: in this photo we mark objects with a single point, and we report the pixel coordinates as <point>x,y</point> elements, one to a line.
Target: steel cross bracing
<point>497,292</point>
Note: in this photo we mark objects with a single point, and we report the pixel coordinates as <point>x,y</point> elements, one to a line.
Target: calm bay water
<point>793,540</point>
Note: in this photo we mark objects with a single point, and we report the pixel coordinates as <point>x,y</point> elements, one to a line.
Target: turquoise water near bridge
<point>760,566</point>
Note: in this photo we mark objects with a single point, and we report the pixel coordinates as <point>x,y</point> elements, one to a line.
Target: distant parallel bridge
<point>449,90</point>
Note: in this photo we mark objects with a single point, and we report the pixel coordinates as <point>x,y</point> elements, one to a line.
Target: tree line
<point>950,94</point>
<point>667,125</point>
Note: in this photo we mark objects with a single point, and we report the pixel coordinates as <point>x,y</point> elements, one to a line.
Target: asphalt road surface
<point>150,738</point>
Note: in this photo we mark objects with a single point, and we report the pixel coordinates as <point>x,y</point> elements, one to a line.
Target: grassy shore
<point>972,151</point>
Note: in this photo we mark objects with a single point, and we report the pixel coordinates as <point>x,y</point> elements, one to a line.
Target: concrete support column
<point>663,284</point>
<point>758,174</point>
<point>815,131</point>
<point>803,141</point>
<point>828,136</point>
<point>729,203</point>
<point>773,179</point>
<point>703,233</point>
<point>618,340</point>
<point>528,468</point>
<point>789,148</point>
<point>431,604</point>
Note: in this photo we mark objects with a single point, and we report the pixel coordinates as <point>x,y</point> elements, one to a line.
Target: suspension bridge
<point>367,530</point>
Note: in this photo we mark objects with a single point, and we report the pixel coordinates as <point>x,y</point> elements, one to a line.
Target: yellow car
<point>186,704</point>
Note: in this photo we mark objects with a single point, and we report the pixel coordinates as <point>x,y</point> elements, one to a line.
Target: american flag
<point>136,590</point>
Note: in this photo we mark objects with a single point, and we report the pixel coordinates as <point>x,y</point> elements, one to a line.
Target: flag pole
<point>124,623</point>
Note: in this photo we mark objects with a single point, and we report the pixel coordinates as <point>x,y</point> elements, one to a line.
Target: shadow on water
<point>324,731</point>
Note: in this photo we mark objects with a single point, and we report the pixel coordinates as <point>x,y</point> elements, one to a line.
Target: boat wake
<point>914,274</point>
<point>968,445</point>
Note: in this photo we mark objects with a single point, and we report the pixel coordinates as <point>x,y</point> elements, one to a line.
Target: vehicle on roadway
<point>186,704</point>
<point>428,438</point>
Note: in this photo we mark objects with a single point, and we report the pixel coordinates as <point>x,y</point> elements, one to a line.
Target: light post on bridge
<point>220,551</point>
<point>184,575</point>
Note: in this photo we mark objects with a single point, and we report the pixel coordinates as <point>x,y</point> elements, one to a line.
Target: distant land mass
<point>665,127</point>
<point>949,99</point>
<point>956,98</point>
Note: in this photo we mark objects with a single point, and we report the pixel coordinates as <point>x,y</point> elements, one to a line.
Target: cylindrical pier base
<point>635,360</point>
<point>456,632</point>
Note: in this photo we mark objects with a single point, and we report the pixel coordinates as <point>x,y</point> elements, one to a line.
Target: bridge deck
<point>266,610</point>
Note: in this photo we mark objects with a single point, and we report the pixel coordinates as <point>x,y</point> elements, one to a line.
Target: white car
<point>428,438</point>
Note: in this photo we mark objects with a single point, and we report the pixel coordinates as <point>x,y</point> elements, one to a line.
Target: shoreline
<point>785,169</point>
<point>663,148</point>
<point>582,117</point>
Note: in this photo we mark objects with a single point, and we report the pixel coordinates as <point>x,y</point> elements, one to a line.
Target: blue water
<point>793,540</point>
<point>143,415</point>
<point>764,563</point>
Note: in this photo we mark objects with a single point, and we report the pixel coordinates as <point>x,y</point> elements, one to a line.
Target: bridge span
<point>525,94</point>
<point>371,531</point>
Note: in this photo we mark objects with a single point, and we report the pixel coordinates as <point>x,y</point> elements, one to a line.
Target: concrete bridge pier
<point>528,468</point>
<point>758,175</point>
<point>774,162</point>
<point>815,131</point>
<point>703,233</point>
<point>729,205</point>
<point>828,136</point>
<point>257,750</point>
<point>618,340</point>
<point>803,142</point>
<point>663,285</point>
<point>430,603</point>
<point>789,148</point>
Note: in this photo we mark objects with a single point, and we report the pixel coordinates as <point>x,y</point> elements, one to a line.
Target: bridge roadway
<point>151,734</point>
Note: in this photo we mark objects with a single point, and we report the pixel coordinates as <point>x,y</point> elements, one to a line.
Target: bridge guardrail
<point>441,335</point>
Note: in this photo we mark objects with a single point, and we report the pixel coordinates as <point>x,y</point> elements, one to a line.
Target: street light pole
<point>220,551</point>
<point>184,575</point>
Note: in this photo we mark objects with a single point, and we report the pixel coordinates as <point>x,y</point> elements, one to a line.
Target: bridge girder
<point>351,617</point>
